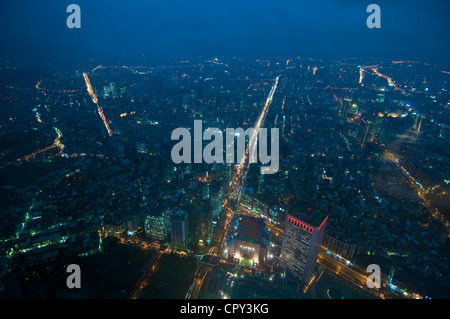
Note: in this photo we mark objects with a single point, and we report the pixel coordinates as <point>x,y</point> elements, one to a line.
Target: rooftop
<point>312,217</point>
<point>156,208</point>
<point>251,230</point>
<point>179,215</point>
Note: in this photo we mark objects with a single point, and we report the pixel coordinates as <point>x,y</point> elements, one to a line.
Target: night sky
<point>113,30</point>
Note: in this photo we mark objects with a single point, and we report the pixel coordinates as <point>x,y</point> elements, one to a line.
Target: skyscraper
<point>157,221</point>
<point>216,192</point>
<point>365,126</point>
<point>179,229</point>
<point>204,224</point>
<point>301,244</point>
<point>346,104</point>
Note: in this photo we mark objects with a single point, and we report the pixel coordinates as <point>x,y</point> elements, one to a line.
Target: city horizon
<point>37,31</point>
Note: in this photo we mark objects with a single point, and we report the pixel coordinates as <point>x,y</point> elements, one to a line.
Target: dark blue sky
<point>35,30</point>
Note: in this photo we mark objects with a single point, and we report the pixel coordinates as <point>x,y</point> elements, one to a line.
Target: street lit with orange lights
<point>241,170</point>
<point>95,100</point>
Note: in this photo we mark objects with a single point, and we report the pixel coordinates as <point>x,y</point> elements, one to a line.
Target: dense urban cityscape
<point>224,158</point>
<point>87,178</point>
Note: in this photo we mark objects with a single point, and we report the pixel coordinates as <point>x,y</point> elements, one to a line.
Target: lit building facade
<point>216,192</point>
<point>157,221</point>
<point>248,245</point>
<point>301,244</point>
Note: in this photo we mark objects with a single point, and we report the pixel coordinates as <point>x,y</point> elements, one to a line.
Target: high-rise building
<point>179,229</point>
<point>301,244</point>
<point>364,131</point>
<point>157,220</point>
<point>346,105</point>
<point>204,226</point>
<point>216,192</point>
